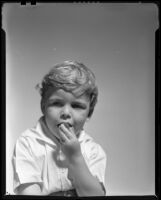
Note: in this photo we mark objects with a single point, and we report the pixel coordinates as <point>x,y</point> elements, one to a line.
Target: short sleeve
<point>25,168</point>
<point>96,160</point>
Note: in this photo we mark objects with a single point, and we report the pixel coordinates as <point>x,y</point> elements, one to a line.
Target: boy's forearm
<point>85,183</point>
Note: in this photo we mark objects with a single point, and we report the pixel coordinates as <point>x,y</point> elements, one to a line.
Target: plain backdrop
<point>117,41</point>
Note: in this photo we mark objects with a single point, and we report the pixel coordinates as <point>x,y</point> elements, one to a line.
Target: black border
<point>3,111</point>
<point>157,114</point>
<point>157,195</point>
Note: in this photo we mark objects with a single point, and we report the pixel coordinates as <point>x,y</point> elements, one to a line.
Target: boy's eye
<point>57,103</point>
<point>79,106</point>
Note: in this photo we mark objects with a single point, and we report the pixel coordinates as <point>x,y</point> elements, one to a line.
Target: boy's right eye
<point>57,104</point>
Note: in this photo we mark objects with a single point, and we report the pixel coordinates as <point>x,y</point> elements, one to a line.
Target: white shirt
<point>38,159</point>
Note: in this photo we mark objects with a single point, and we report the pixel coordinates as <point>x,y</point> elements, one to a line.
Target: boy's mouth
<point>66,124</point>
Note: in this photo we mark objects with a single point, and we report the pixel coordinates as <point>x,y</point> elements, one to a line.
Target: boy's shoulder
<point>28,137</point>
<point>33,141</point>
<point>85,137</point>
<point>35,134</point>
<point>90,147</point>
<point>32,133</point>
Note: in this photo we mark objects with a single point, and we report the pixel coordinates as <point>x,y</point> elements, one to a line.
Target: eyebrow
<point>61,99</point>
<point>55,99</point>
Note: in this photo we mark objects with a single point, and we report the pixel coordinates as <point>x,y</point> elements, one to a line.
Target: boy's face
<point>64,107</point>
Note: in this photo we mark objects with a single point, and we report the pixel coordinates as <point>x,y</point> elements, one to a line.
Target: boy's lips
<point>66,124</point>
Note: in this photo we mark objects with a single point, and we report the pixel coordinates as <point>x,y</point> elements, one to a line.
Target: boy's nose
<point>65,113</point>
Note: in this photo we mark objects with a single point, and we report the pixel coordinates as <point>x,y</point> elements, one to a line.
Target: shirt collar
<point>42,133</point>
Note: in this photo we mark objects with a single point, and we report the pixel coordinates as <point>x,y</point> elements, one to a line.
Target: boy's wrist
<point>74,166</point>
<point>76,160</point>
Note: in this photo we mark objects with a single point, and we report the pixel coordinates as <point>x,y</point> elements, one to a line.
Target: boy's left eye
<point>79,106</point>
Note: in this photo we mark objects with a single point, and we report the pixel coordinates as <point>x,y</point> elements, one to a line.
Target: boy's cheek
<point>79,127</point>
<point>51,122</point>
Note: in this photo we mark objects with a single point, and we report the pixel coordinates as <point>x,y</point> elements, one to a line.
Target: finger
<point>67,131</point>
<point>63,137</point>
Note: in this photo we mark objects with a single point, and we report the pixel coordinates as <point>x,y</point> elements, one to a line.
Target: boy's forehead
<point>62,94</point>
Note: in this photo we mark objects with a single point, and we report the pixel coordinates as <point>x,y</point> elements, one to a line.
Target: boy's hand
<point>69,143</point>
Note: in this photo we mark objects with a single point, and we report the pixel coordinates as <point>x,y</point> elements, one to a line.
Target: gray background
<point>117,41</point>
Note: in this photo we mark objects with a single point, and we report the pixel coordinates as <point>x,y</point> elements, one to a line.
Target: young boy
<point>57,157</point>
